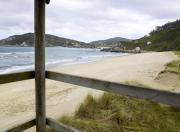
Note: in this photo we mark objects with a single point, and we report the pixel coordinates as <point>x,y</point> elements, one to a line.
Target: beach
<point>17,99</point>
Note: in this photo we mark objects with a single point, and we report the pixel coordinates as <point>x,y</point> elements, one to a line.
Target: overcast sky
<point>88,20</point>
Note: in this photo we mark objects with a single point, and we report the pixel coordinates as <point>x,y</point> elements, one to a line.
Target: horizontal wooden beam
<point>13,77</point>
<point>155,95</point>
<point>59,127</point>
<point>21,127</point>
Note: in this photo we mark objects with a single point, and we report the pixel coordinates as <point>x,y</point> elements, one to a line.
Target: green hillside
<point>111,42</point>
<point>27,39</point>
<point>163,38</point>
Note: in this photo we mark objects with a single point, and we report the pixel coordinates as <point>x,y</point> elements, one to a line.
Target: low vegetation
<point>114,113</point>
<point>163,38</point>
<point>173,66</point>
<point>177,53</point>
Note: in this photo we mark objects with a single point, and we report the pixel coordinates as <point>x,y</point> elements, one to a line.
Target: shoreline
<point>62,98</point>
<point>59,63</point>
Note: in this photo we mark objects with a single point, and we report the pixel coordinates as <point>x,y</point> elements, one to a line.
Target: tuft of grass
<point>177,53</point>
<point>116,113</point>
<point>173,67</point>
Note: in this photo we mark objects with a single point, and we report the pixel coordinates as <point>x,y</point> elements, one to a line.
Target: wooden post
<point>39,27</point>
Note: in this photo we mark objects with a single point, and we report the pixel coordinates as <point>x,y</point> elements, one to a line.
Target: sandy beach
<point>17,99</point>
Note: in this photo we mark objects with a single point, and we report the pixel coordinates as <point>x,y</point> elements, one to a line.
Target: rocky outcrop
<point>117,49</point>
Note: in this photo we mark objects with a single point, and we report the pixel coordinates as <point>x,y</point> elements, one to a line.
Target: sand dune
<point>17,99</point>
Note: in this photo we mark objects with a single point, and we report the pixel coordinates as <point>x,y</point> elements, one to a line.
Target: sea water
<point>14,59</point>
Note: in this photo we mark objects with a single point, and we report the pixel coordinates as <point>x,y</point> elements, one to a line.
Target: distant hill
<point>108,42</point>
<point>163,38</point>
<point>51,40</point>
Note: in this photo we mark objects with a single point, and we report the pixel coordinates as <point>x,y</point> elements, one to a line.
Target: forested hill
<point>51,40</point>
<point>163,38</point>
<point>106,42</point>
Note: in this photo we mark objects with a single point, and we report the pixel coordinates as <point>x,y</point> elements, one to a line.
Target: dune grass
<point>173,66</point>
<point>114,113</point>
<point>177,53</point>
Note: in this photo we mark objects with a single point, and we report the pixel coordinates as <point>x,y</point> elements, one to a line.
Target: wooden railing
<point>153,94</point>
<point>159,96</point>
<point>24,125</point>
<point>14,77</point>
<point>55,125</point>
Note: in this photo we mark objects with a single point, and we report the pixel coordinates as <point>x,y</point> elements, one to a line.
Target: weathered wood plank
<point>21,127</point>
<point>155,95</point>
<point>39,27</point>
<point>13,77</point>
<point>59,127</point>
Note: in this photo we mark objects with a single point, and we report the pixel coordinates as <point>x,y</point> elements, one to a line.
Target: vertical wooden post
<point>39,27</point>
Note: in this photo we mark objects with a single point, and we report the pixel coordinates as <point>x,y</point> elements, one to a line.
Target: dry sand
<point>17,99</point>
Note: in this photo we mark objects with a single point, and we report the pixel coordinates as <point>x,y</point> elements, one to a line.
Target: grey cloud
<point>162,9</point>
<point>88,20</point>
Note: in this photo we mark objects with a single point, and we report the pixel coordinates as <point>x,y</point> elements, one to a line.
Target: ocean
<point>14,59</point>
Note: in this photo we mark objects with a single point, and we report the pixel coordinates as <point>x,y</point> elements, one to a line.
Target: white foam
<point>16,68</point>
